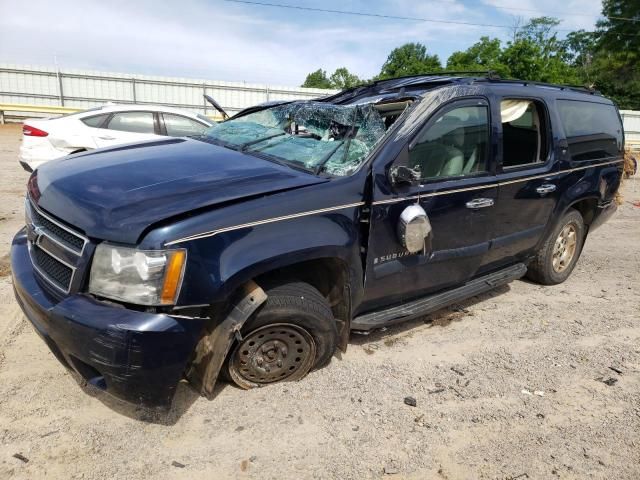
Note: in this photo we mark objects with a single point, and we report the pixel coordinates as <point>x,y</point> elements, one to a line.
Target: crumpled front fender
<point>212,349</point>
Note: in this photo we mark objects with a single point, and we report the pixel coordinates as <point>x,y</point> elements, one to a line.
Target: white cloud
<point>225,41</point>
<point>575,14</point>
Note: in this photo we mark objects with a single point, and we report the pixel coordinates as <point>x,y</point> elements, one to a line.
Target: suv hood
<point>117,193</point>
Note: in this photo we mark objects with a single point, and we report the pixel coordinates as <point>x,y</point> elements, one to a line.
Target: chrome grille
<point>62,235</point>
<point>56,250</point>
<point>55,271</point>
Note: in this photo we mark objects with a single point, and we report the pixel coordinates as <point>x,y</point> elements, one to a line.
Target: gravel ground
<point>507,385</point>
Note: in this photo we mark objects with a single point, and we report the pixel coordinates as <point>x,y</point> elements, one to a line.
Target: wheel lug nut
<point>279,363</point>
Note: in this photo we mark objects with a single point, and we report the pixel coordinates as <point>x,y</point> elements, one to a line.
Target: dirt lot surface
<point>508,385</point>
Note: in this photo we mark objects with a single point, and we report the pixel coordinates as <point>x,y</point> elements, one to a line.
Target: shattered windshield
<point>317,136</point>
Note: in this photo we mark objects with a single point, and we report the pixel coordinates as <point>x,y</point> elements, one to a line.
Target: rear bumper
<point>136,356</point>
<point>603,213</point>
<point>26,166</point>
<point>32,156</point>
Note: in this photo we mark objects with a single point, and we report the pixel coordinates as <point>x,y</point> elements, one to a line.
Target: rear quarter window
<point>593,130</point>
<point>94,121</point>
<point>179,126</point>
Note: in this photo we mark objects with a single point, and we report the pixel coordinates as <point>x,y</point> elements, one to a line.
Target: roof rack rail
<point>580,87</point>
<point>489,74</point>
<point>575,88</point>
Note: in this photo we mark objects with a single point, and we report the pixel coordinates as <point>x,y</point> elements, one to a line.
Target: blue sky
<point>218,40</point>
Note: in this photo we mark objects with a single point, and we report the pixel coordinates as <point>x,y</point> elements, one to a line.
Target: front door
<point>457,190</point>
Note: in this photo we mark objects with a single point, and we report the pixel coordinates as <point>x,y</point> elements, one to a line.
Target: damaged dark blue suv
<point>253,250</point>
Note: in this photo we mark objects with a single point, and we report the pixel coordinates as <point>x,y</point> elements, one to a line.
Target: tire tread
<point>540,268</point>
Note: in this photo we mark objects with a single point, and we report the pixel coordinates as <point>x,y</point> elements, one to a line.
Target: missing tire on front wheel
<point>272,353</point>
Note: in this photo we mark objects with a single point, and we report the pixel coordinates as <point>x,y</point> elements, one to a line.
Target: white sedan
<point>47,139</point>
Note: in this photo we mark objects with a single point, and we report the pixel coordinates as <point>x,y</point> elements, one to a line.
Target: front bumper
<point>135,356</point>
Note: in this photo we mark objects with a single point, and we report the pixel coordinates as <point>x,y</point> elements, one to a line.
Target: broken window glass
<point>318,136</point>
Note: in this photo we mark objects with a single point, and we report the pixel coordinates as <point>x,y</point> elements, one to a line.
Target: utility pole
<point>59,77</point>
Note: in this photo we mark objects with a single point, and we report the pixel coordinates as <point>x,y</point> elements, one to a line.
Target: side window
<point>454,145</point>
<point>524,132</point>
<point>179,126</point>
<point>136,122</point>
<point>593,130</point>
<point>94,121</point>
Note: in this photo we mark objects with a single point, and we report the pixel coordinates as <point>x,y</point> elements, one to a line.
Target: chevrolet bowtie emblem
<point>36,234</point>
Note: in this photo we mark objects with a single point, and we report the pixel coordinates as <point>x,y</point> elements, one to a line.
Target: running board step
<point>425,305</point>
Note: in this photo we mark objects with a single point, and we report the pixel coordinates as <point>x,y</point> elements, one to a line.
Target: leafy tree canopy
<point>342,79</point>
<point>483,55</point>
<point>317,79</point>
<point>616,60</point>
<point>537,54</point>
<point>607,59</point>
<point>580,47</point>
<point>409,59</point>
<point>617,35</point>
<point>540,30</point>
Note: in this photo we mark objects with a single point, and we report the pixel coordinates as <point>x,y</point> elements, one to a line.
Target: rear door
<point>457,190</point>
<point>528,190</point>
<point>127,127</point>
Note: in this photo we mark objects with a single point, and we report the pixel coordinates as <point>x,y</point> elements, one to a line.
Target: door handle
<point>106,137</point>
<point>546,188</point>
<point>480,203</point>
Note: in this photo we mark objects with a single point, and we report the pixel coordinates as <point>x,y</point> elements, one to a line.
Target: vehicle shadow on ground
<point>444,317</point>
<point>184,398</point>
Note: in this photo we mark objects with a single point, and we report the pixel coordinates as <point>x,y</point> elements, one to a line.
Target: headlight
<point>142,277</point>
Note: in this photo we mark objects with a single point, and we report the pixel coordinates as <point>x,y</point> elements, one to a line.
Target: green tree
<point>317,79</point>
<point>620,35</point>
<point>617,55</point>
<point>537,54</point>
<point>608,58</point>
<point>581,47</point>
<point>483,55</point>
<point>409,59</point>
<point>540,30</point>
<point>342,79</point>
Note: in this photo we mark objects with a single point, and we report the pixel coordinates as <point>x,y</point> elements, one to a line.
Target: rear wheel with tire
<point>559,253</point>
<point>293,333</point>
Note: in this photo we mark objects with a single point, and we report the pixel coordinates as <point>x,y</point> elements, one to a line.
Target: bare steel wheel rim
<point>273,353</point>
<point>564,249</point>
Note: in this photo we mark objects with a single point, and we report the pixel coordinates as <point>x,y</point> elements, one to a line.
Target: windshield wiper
<point>280,161</point>
<point>214,141</point>
<point>243,147</point>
